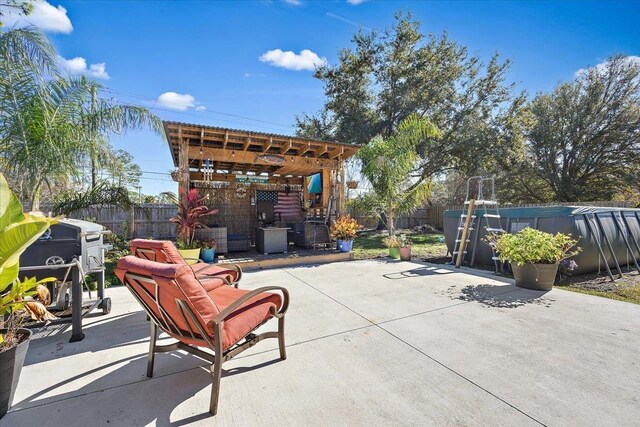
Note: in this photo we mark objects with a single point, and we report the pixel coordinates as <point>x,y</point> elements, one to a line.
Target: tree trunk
<point>392,230</point>
<point>94,166</point>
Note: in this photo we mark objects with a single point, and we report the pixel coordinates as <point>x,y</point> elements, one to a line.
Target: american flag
<point>288,205</point>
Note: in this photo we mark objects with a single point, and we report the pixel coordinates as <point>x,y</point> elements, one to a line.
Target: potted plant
<point>191,209</point>
<point>393,243</point>
<point>344,230</point>
<point>208,250</point>
<point>404,247</point>
<point>17,231</point>
<point>534,255</point>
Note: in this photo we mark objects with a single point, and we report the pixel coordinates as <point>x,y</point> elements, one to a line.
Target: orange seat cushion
<point>245,318</point>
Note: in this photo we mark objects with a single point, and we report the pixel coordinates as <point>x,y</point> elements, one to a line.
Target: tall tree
<point>585,144</point>
<point>386,77</point>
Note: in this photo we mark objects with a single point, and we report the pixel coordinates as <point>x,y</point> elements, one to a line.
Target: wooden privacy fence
<point>144,220</point>
<point>433,215</point>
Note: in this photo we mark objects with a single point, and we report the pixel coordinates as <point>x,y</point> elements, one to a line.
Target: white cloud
<point>180,102</point>
<point>48,18</point>
<point>305,60</point>
<point>355,2</point>
<point>603,65</point>
<point>293,2</point>
<point>78,65</point>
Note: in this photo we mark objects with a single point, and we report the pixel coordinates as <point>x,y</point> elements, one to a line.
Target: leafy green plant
<point>103,193</point>
<point>17,231</point>
<point>405,241</point>
<point>531,246</point>
<point>208,244</point>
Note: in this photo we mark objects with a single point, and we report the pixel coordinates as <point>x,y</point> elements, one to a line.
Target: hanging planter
<point>352,185</point>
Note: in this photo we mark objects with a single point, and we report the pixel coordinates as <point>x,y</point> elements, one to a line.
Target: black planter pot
<point>11,362</point>
<point>540,277</point>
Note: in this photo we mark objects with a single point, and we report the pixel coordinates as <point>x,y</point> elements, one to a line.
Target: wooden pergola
<point>231,155</point>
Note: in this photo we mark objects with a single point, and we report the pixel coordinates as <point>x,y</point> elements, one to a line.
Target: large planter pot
<point>11,362</point>
<point>535,276</point>
<point>191,256</point>
<point>405,253</point>
<point>207,255</point>
<point>394,253</point>
<point>345,245</point>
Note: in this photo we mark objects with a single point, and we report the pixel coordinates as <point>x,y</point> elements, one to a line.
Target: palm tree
<point>48,122</point>
<point>388,165</point>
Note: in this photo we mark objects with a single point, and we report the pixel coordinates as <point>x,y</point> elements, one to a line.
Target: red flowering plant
<point>191,209</point>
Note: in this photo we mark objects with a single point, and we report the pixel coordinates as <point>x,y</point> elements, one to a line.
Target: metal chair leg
<point>152,349</point>
<point>283,350</point>
<point>216,371</point>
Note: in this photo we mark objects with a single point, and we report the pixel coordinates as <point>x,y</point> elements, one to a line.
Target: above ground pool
<point>588,224</point>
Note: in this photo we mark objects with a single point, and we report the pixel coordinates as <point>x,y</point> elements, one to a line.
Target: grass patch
<point>369,245</point>
<point>623,293</point>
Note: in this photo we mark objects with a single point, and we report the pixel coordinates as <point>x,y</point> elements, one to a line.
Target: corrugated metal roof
<point>168,122</point>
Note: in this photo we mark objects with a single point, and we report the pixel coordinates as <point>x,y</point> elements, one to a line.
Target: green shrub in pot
<point>534,255</point>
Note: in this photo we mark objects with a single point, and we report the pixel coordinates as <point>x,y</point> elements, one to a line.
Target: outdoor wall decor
<point>271,158</point>
<point>241,191</point>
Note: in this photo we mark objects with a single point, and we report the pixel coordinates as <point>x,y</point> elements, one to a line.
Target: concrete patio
<point>369,343</point>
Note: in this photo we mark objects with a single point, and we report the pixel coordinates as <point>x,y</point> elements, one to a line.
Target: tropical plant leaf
<point>10,206</point>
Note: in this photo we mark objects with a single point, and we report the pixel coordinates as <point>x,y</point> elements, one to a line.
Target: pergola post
<point>183,166</point>
<point>341,195</point>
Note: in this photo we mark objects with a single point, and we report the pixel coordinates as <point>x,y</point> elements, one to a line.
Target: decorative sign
<point>272,159</point>
<point>258,179</point>
<point>241,192</point>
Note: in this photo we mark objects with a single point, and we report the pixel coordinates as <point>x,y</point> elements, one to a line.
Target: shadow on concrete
<point>417,272</point>
<point>103,334</point>
<point>506,296</point>
<point>158,396</point>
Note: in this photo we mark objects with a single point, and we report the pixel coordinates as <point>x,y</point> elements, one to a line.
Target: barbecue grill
<point>67,251</point>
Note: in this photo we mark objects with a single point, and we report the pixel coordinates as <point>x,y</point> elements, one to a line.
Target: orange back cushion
<point>173,282</point>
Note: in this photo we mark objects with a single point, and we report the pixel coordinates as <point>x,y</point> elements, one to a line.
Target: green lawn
<point>370,245</point>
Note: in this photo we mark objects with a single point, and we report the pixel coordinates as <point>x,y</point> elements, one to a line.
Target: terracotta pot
<point>540,277</point>
<point>394,253</point>
<point>405,253</point>
<point>11,362</point>
<point>191,256</point>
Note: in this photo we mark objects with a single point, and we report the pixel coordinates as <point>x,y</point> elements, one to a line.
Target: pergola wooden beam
<point>338,151</point>
<point>320,151</point>
<point>286,147</point>
<point>239,157</point>
<point>267,144</point>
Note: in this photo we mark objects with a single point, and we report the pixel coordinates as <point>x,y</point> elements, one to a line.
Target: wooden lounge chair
<point>218,319</point>
<point>165,251</point>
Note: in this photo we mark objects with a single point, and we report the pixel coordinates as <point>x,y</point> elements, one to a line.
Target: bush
<point>531,246</point>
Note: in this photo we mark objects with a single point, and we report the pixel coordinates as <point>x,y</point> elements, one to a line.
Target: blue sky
<point>205,56</point>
